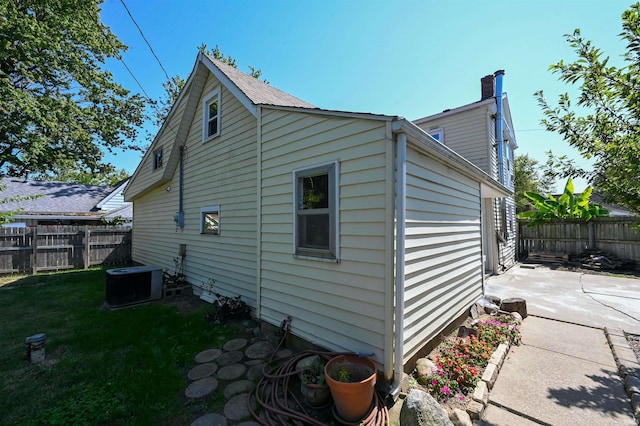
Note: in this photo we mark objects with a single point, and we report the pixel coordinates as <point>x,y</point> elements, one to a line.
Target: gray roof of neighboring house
<point>258,92</point>
<point>58,197</point>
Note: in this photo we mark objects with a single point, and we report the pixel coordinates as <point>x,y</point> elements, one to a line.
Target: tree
<point>528,178</point>
<point>604,122</point>
<point>107,175</point>
<point>566,206</point>
<point>59,107</point>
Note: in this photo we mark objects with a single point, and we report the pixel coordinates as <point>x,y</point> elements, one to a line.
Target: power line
<point>134,77</point>
<point>145,40</point>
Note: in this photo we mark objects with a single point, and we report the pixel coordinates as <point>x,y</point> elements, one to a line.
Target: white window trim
<point>213,95</point>
<point>210,209</point>
<point>439,132</point>
<point>334,206</point>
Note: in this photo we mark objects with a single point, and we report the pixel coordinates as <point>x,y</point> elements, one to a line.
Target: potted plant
<point>313,385</point>
<point>351,379</point>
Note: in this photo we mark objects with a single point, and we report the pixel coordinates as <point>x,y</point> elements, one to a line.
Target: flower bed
<point>460,361</point>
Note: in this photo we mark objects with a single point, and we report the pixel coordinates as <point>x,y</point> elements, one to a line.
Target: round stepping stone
<point>232,357</point>
<point>235,344</point>
<point>284,353</point>
<point>249,423</point>
<point>255,371</point>
<point>210,419</point>
<point>259,350</point>
<point>208,355</point>
<point>236,388</point>
<point>201,388</point>
<point>201,371</point>
<point>231,372</point>
<point>237,408</point>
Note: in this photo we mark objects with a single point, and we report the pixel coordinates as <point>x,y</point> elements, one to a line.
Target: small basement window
<point>316,211</point>
<point>210,220</point>
<point>211,115</point>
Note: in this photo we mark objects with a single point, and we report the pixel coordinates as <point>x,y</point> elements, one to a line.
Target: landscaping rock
<point>425,367</point>
<point>421,409</point>
<point>517,316</point>
<point>461,418</point>
<point>208,355</point>
<point>210,419</point>
<point>231,372</point>
<point>481,393</point>
<point>475,410</point>
<point>201,371</point>
<point>201,388</point>
<point>490,375</point>
<point>228,358</point>
<point>515,304</point>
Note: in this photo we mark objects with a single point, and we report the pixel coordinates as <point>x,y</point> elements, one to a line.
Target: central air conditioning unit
<point>130,286</point>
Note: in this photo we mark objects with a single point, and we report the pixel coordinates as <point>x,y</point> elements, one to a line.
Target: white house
<point>482,132</point>
<point>363,228</point>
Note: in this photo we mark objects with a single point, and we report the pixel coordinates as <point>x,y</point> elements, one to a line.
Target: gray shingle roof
<point>58,197</point>
<point>259,92</point>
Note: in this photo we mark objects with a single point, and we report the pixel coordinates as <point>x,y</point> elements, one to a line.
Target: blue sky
<point>406,58</point>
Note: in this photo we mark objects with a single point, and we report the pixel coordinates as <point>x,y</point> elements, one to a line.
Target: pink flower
<point>462,398</point>
<point>434,382</point>
<point>445,390</point>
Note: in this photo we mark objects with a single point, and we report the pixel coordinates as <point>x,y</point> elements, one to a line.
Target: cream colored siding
<point>465,133</point>
<point>336,305</point>
<point>443,267</point>
<point>222,172</point>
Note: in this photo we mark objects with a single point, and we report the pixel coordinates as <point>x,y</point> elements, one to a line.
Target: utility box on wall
<point>128,286</point>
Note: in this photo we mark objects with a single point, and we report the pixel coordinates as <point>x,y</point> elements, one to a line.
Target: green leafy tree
<point>59,106</point>
<point>529,178</point>
<point>566,206</point>
<point>604,122</point>
<point>107,175</point>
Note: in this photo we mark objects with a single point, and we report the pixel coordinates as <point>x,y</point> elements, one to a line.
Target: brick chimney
<point>488,83</point>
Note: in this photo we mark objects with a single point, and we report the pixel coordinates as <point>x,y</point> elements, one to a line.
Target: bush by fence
<point>616,235</point>
<point>48,248</point>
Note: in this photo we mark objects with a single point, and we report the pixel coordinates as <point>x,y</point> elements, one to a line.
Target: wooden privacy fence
<point>47,248</point>
<point>618,236</point>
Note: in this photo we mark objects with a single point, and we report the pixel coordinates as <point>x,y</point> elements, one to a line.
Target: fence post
<point>86,258</point>
<point>592,234</point>
<point>34,250</point>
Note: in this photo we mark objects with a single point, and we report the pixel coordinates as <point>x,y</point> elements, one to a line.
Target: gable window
<point>157,159</point>
<point>211,115</point>
<point>316,211</point>
<point>437,134</point>
<point>210,220</point>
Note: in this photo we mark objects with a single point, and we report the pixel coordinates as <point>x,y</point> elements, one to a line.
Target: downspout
<point>500,142</point>
<point>180,216</point>
<point>401,216</point>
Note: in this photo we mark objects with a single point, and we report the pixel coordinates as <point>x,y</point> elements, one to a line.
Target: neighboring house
<point>482,132</point>
<point>62,203</point>
<point>361,227</point>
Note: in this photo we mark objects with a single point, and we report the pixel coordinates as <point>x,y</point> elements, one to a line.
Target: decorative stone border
<point>480,396</point>
<point>628,366</point>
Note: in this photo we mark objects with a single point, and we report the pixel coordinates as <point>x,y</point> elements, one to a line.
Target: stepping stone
<point>201,388</point>
<point>210,419</point>
<point>236,388</point>
<point>283,353</point>
<point>201,371</point>
<point>232,357</point>
<point>255,371</point>
<point>231,372</point>
<point>237,407</point>
<point>249,423</point>
<point>259,350</point>
<point>235,344</point>
<point>208,355</point>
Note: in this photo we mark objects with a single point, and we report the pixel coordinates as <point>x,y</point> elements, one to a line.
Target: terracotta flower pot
<point>352,398</point>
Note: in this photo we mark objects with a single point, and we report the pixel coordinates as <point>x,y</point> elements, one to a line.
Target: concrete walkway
<point>564,373</point>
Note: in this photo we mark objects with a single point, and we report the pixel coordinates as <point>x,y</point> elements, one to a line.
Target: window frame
<point>439,132</point>
<point>332,254</point>
<point>213,96</point>
<point>157,159</point>
<point>208,210</point>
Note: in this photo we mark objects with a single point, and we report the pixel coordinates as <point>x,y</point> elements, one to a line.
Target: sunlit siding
<point>443,272</point>
<point>221,172</point>
<point>336,305</point>
<point>466,134</point>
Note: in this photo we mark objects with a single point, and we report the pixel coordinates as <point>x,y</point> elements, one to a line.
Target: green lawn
<point>124,367</point>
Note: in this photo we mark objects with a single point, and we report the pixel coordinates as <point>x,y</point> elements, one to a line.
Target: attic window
<point>211,115</point>
<point>437,134</point>
<point>157,159</point>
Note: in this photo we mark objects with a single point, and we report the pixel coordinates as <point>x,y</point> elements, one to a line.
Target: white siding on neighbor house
<point>465,133</point>
<point>115,201</point>
<point>443,261</point>
<point>221,172</point>
<point>340,306</point>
